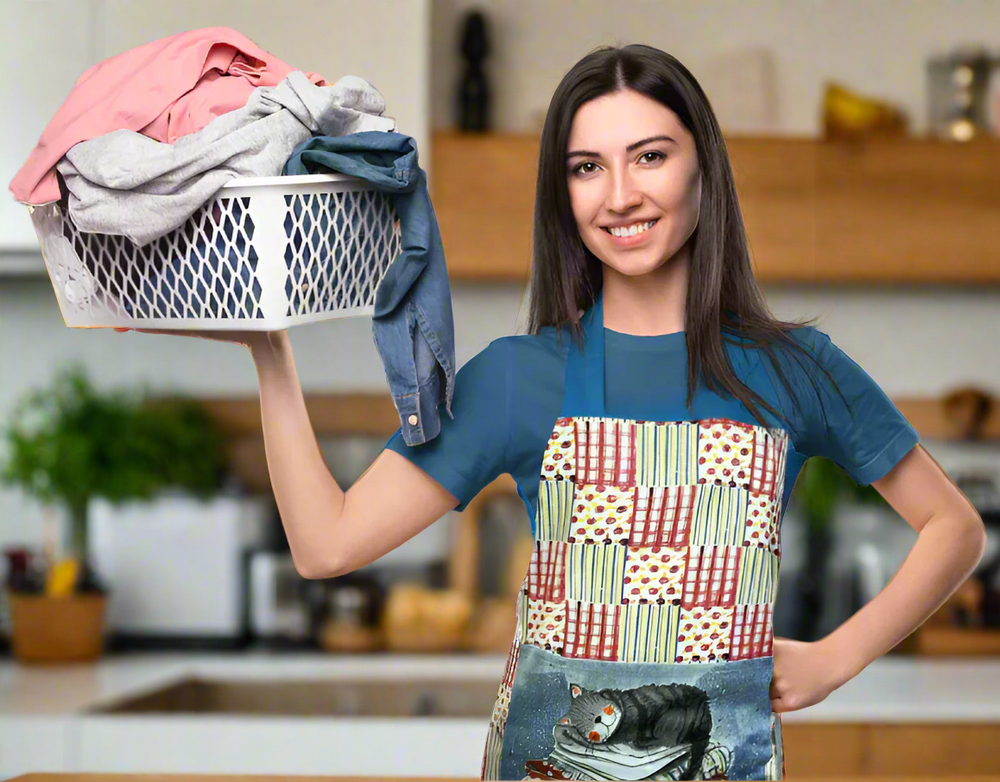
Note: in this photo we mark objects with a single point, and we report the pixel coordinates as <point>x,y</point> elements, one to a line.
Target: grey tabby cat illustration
<point>646,717</point>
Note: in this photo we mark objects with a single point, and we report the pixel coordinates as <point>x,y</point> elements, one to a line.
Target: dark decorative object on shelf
<point>473,90</point>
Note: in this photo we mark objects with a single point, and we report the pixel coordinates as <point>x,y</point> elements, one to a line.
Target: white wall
<point>878,47</point>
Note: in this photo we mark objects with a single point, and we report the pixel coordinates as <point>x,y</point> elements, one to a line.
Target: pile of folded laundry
<point>128,177</point>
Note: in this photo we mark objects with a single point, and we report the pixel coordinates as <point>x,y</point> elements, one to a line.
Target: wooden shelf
<point>931,419</point>
<point>932,641</point>
<point>907,211</point>
<point>483,192</point>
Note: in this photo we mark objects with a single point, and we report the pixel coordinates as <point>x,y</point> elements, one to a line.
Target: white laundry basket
<point>263,254</point>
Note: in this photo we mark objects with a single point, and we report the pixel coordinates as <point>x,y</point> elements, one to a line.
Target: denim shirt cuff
<point>419,417</point>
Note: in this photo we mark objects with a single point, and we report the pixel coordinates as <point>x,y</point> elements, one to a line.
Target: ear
<point>575,690</point>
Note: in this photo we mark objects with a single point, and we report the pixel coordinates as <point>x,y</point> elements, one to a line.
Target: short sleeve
<point>859,428</point>
<point>471,449</point>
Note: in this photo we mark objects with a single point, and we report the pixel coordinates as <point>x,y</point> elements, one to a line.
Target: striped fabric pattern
<point>515,651</point>
<point>719,516</point>
<point>758,577</point>
<point>522,613</point>
<point>490,768</point>
<point>595,573</point>
<point>666,454</point>
<point>555,509</point>
<point>648,633</point>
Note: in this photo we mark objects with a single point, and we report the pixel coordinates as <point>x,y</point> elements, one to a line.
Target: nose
<point>624,194</point>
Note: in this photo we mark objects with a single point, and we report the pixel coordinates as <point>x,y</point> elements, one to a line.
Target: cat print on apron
<point>643,643</point>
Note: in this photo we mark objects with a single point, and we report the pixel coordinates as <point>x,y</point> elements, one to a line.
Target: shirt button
<point>412,420</point>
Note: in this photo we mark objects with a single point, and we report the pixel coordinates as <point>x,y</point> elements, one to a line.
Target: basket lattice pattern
<point>206,268</point>
<point>339,247</point>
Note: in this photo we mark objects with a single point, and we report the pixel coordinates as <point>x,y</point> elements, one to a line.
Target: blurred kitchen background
<point>864,136</point>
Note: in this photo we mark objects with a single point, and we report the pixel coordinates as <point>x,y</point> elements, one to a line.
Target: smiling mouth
<point>630,230</point>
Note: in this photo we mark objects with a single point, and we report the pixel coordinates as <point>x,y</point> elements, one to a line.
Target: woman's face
<point>634,182</point>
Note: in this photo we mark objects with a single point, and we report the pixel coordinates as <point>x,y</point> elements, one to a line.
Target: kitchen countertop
<point>892,689</point>
<point>75,689</point>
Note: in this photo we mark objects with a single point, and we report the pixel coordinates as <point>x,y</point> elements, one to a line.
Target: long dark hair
<point>724,302</point>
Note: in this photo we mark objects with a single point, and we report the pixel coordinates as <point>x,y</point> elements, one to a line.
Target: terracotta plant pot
<point>57,629</point>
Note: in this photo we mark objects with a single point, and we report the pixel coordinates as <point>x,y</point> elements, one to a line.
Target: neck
<point>650,304</point>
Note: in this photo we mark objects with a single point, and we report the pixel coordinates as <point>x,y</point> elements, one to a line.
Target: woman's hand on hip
<point>804,674</point>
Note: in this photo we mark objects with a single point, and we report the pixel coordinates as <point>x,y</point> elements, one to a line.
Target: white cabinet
<point>45,45</point>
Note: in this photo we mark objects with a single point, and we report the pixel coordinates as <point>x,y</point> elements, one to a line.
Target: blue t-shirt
<point>508,397</point>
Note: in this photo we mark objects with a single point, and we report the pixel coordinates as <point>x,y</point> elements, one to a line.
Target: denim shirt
<point>412,324</point>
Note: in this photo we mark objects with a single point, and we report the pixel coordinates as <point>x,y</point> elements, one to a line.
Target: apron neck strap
<point>584,394</point>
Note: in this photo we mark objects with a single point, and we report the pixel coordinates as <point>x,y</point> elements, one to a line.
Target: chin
<point>633,267</point>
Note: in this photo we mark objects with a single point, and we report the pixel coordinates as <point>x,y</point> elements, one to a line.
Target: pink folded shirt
<point>164,89</point>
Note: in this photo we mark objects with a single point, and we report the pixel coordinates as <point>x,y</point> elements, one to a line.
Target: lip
<point>630,241</point>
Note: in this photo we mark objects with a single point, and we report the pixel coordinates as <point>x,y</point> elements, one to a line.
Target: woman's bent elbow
<point>316,568</point>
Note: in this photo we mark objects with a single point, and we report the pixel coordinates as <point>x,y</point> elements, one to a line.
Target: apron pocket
<point>592,719</point>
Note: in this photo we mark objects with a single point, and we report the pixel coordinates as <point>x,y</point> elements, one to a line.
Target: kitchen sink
<point>325,698</point>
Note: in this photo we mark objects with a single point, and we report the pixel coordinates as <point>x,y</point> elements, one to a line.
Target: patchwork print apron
<point>643,647</point>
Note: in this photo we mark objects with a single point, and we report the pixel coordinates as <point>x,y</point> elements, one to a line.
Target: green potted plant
<point>70,443</point>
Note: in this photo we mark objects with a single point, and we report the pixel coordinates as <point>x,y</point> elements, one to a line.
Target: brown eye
<point>582,168</point>
<point>651,157</point>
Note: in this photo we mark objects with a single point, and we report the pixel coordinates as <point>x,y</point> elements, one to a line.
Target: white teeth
<point>631,230</point>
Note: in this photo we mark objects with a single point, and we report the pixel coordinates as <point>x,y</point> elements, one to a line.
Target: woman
<point>655,419</point>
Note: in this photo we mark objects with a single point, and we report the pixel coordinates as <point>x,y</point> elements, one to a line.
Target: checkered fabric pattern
<point>711,576</point>
<point>592,631</point>
<point>752,632</point>
<point>663,516</point>
<point>673,516</point>
<point>546,571</point>
<point>605,452</point>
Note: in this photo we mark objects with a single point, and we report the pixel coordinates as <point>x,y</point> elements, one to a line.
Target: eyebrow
<point>631,147</point>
